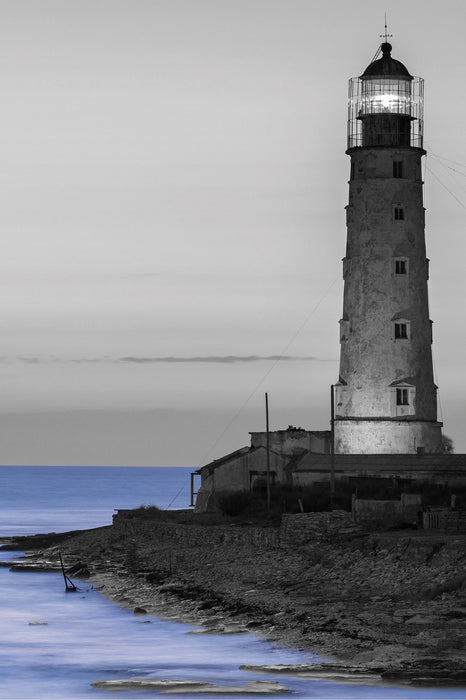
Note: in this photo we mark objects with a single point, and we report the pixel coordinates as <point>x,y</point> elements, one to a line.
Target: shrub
<point>146,511</point>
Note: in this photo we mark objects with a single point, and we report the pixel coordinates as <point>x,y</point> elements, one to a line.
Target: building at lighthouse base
<point>387,436</point>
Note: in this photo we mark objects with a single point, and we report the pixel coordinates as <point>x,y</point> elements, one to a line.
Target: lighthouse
<point>386,398</point>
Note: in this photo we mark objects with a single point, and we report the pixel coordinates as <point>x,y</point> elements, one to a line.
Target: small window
<point>352,171</point>
<point>401,331</point>
<point>399,214</point>
<point>402,397</point>
<point>401,267</point>
<point>397,168</point>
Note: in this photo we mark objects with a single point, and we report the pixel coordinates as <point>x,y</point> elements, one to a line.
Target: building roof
<point>226,458</point>
<point>383,462</point>
<point>232,457</point>
<point>386,67</point>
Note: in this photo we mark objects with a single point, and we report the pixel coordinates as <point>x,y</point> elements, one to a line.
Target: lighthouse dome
<point>386,67</point>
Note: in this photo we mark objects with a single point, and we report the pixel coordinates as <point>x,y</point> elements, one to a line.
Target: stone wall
<point>308,528</point>
<point>295,531</point>
<point>164,533</point>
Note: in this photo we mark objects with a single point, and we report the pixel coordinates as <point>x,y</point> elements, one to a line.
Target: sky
<point>173,180</point>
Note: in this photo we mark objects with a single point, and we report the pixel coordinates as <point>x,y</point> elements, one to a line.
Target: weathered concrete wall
<point>238,474</point>
<point>379,513</point>
<point>291,442</point>
<point>387,437</point>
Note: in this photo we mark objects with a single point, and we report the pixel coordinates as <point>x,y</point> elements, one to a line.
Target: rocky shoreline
<point>384,608</point>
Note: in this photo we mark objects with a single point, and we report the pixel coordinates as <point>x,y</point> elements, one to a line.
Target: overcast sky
<point>172,187</point>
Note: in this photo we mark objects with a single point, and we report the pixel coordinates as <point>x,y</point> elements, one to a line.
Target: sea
<point>55,645</point>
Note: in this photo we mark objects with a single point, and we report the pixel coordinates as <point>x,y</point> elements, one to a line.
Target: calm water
<point>58,499</point>
<point>86,637</point>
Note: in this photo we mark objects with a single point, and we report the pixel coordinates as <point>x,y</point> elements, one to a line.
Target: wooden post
<point>332,447</point>
<point>192,490</point>
<point>69,585</point>
<point>267,449</point>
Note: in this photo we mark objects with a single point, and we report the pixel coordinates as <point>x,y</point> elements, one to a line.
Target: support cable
<point>462,204</point>
<point>271,368</point>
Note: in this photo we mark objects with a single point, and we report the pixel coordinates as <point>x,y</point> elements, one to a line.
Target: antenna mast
<point>385,36</point>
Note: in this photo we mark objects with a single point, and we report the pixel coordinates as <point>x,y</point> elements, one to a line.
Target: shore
<point>391,606</point>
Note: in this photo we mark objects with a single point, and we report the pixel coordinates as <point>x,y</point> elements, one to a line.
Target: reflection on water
<point>88,638</point>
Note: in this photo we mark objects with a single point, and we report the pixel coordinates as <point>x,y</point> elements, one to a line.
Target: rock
<point>335,673</point>
<point>140,611</point>
<point>428,677</point>
<point>221,631</point>
<point>176,686</point>
<point>429,620</point>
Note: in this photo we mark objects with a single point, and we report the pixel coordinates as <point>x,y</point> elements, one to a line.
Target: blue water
<point>58,499</point>
<point>88,638</point>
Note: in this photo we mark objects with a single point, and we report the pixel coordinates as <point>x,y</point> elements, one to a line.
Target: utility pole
<point>267,445</point>
<point>332,447</point>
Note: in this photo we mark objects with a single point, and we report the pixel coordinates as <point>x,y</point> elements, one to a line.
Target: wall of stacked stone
<point>295,530</point>
<point>197,535</point>
<point>308,528</point>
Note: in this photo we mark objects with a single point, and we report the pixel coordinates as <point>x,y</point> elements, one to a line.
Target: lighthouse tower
<point>386,399</point>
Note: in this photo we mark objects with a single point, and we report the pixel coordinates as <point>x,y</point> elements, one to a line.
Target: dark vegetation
<point>284,499</point>
<point>144,511</point>
<point>316,498</point>
<point>251,506</point>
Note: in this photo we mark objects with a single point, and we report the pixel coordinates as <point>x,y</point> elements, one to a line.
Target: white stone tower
<point>386,399</point>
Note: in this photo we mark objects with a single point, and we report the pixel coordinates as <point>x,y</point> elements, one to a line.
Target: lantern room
<point>385,106</point>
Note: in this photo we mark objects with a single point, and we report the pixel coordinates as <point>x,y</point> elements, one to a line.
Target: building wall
<point>373,361</point>
<point>387,437</point>
<point>238,474</point>
<point>436,469</point>
<point>291,442</point>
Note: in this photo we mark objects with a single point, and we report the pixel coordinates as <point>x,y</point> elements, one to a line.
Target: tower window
<point>401,267</point>
<point>352,171</point>
<point>397,168</point>
<point>402,397</point>
<point>403,400</point>
<point>398,214</point>
<point>401,331</point>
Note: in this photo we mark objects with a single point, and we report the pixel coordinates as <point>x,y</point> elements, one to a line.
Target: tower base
<point>380,436</point>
